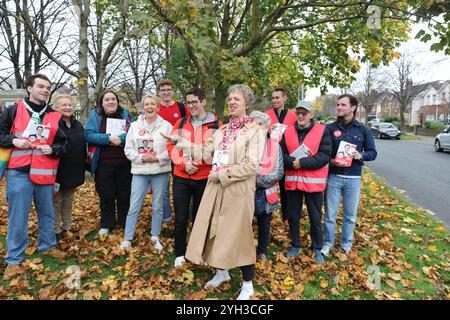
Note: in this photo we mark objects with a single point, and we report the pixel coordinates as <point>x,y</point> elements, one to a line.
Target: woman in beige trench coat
<point>222,234</point>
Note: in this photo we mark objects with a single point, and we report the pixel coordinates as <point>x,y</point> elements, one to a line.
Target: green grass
<point>409,137</point>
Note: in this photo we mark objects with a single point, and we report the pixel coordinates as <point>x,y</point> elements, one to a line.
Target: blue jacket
<point>94,137</point>
<point>355,133</point>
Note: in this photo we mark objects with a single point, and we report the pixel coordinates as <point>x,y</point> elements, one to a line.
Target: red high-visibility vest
<point>301,179</point>
<point>289,120</point>
<point>266,166</point>
<point>43,168</point>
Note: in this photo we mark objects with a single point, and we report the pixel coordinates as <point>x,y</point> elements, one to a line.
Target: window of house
<point>430,117</point>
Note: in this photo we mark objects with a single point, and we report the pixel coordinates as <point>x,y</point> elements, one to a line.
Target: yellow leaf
<point>288,283</point>
<point>426,270</point>
<point>188,276</point>
<point>324,283</point>
<point>432,248</point>
<point>441,229</point>
<point>30,250</point>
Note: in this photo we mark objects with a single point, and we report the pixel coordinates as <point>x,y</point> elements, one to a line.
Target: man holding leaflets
<point>280,119</point>
<point>32,171</point>
<point>306,153</point>
<point>352,143</point>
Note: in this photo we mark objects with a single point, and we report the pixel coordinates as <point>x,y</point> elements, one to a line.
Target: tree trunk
<point>84,11</point>
<point>219,102</point>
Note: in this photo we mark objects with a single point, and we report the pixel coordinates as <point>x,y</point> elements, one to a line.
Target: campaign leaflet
<point>36,133</point>
<point>344,155</point>
<point>301,152</point>
<point>277,131</point>
<point>144,145</point>
<point>220,160</point>
<point>115,127</point>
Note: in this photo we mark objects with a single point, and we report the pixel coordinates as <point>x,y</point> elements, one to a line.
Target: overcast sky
<point>432,65</point>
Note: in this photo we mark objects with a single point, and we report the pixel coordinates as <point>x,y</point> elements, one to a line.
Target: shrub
<point>390,119</point>
<point>437,125</point>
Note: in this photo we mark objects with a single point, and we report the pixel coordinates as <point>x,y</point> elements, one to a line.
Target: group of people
<point>257,157</point>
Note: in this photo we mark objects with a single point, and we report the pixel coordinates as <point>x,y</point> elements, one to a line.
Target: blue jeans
<point>349,189</point>
<point>20,191</point>
<point>139,187</point>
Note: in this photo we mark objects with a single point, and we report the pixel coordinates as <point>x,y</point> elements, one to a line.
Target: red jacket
<point>210,125</point>
<point>302,179</point>
<point>288,120</point>
<point>43,168</point>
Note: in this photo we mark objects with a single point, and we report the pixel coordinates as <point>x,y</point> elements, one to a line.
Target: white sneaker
<point>220,277</point>
<point>103,232</point>
<point>325,250</point>
<point>125,245</point>
<point>246,291</point>
<point>156,243</point>
<point>179,261</point>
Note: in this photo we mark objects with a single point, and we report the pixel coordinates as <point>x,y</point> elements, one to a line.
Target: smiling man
<point>279,114</point>
<point>190,175</point>
<point>306,176</point>
<point>171,111</point>
<point>345,182</point>
<point>31,171</point>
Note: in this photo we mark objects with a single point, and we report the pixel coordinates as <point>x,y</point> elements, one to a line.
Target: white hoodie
<point>141,130</point>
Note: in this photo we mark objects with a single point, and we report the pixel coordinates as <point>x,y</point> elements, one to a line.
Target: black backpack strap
<point>182,109</point>
<point>182,123</point>
<point>214,125</point>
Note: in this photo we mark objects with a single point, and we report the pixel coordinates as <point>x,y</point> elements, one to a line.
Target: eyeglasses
<point>192,102</point>
<point>303,113</point>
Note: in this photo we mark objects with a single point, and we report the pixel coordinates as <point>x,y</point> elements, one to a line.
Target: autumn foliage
<point>395,243</point>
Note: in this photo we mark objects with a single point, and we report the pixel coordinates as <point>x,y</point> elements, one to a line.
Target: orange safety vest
<point>43,168</point>
<point>266,167</point>
<point>301,179</point>
<point>289,120</point>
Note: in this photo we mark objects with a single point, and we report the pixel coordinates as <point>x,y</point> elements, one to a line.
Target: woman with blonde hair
<point>151,168</point>
<point>222,235</point>
<point>71,168</point>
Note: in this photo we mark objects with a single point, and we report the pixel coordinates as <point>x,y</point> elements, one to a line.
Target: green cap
<point>303,104</point>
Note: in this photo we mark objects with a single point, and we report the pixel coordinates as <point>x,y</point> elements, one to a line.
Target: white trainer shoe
<point>179,261</point>
<point>220,277</point>
<point>103,232</point>
<point>246,291</point>
<point>156,243</point>
<point>125,245</point>
<point>325,250</point>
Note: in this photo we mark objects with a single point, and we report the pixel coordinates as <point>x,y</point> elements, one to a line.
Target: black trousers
<point>248,272</point>
<point>314,202</point>
<point>113,185</point>
<point>283,200</point>
<point>183,191</point>
<point>263,221</point>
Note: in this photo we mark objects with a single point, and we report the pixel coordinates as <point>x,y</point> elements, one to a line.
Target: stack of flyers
<point>277,131</point>
<point>115,127</point>
<point>220,160</point>
<point>344,155</point>
<point>36,133</point>
<point>144,145</point>
<point>301,152</point>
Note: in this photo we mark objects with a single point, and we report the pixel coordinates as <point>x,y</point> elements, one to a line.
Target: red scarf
<point>231,133</point>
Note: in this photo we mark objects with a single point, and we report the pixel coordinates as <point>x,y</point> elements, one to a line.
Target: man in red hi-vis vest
<point>306,154</point>
<point>31,171</point>
<point>279,114</point>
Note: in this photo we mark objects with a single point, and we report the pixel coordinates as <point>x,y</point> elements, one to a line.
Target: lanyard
<point>35,116</point>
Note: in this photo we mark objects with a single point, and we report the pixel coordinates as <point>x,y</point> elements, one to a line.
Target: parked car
<point>442,140</point>
<point>374,121</point>
<point>385,130</point>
